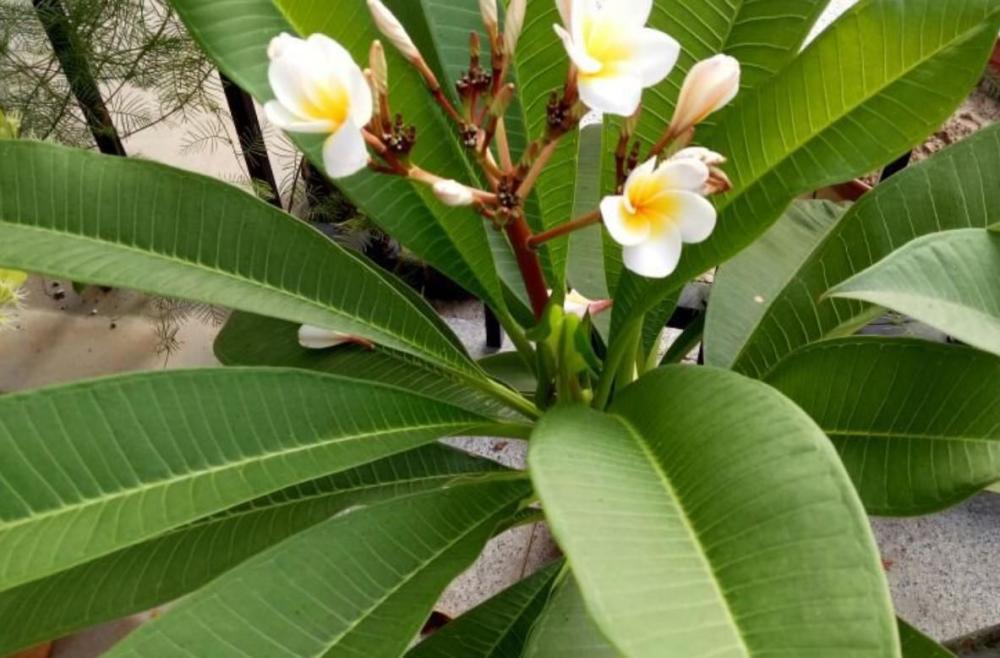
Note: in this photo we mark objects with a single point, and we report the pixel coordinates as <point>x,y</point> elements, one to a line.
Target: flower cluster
<point>661,199</point>
<point>11,295</point>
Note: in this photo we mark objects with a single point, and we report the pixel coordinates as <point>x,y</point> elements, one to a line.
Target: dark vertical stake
<point>244,114</point>
<point>494,334</point>
<point>57,27</point>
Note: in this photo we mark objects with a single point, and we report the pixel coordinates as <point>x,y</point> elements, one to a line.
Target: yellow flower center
<point>329,101</point>
<point>652,205</point>
<point>606,39</point>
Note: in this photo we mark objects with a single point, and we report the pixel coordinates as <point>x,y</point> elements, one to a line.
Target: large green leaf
<point>916,423</point>
<point>917,645</point>
<point>565,629</point>
<point>254,340</point>
<point>94,467</point>
<point>497,628</point>
<point>586,268</point>
<point>949,280</point>
<point>872,86</point>
<point>171,565</point>
<point>746,287</point>
<point>707,515</point>
<point>142,225</point>
<point>236,33</point>
<point>360,584</point>
<point>952,190</point>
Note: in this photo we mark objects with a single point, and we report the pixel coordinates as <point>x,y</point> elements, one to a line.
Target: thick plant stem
<point>519,235</point>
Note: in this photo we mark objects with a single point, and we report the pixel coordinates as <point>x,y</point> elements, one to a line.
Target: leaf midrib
<point>259,284</point>
<point>692,532</point>
<point>900,435</point>
<point>905,73</point>
<point>220,468</point>
<point>423,564</point>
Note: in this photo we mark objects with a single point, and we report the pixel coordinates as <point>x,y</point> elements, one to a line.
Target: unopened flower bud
<point>718,181</point>
<point>454,194</point>
<point>317,338</point>
<point>701,154</point>
<point>513,25</point>
<point>379,67</point>
<point>393,30</point>
<point>502,100</point>
<point>565,8</point>
<point>711,85</point>
<point>488,8</point>
<point>578,305</point>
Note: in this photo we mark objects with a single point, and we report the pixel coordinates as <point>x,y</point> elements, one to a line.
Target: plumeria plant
<point>298,502</point>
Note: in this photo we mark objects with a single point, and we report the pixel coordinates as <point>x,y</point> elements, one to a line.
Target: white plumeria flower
<point>710,85</point>
<point>454,194</point>
<point>616,55</point>
<point>317,338</point>
<point>661,208</point>
<point>319,89</point>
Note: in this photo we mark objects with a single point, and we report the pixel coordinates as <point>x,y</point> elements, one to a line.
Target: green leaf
<point>497,628</point>
<point>872,86</point>
<point>750,286</point>
<point>917,424</point>
<point>236,33</point>
<point>952,190</point>
<point>254,340</point>
<point>360,584</point>
<point>565,629</point>
<point>711,504</point>
<point>176,563</point>
<point>917,645</point>
<point>84,216</point>
<point>586,265</point>
<point>510,368</point>
<point>94,467</point>
<point>949,280</point>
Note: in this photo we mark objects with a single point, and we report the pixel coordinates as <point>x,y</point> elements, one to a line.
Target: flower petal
<point>281,117</point>
<point>639,174</point>
<point>656,258</point>
<point>655,56</point>
<point>684,174</point>
<point>622,228</point>
<point>287,80</point>
<point>577,54</point>
<point>696,217</point>
<point>619,95</point>
<point>344,152</point>
<point>338,63</point>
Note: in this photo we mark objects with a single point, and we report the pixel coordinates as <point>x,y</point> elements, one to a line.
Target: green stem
<point>519,339</point>
<point>509,397</point>
<point>620,351</point>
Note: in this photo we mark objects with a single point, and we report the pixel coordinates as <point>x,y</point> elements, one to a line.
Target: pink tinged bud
<point>565,8</point>
<point>454,194</point>
<point>711,85</point>
<point>513,25</point>
<point>578,305</point>
<point>393,30</point>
